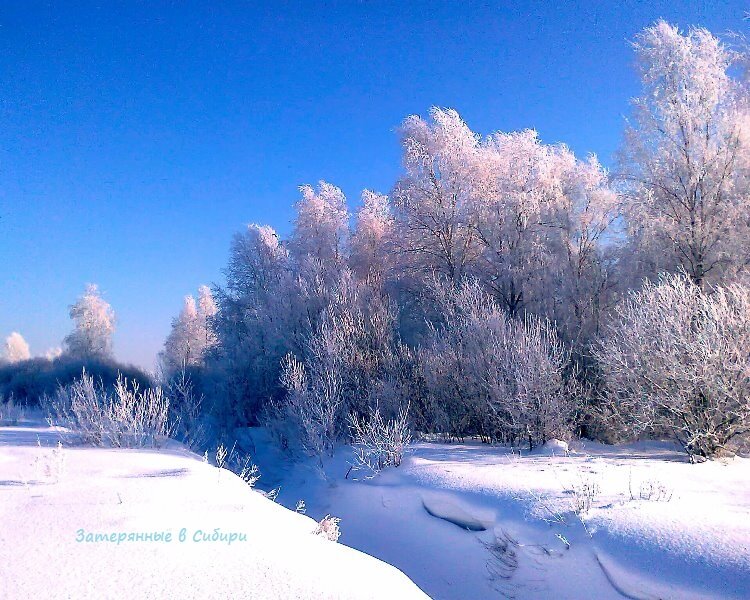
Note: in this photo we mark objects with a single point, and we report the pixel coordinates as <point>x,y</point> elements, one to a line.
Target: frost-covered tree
<point>528,220</point>
<point>675,361</point>
<point>258,322</point>
<point>16,348</point>
<point>369,242</point>
<point>434,198</point>
<point>584,280</point>
<point>207,310</point>
<point>542,221</point>
<point>94,325</point>
<point>257,260</point>
<point>515,217</point>
<point>182,347</point>
<point>686,154</point>
<point>321,226</point>
<point>192,334</point>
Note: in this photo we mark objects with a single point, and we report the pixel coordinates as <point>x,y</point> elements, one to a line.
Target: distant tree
<point>31,380</point>
<point>53,353</point>
<point>182,347</point>
<point>16,348</point>
<point>192,334</point>
<point>94,322</point>
<point>207,310</point>
<point>687,155</point>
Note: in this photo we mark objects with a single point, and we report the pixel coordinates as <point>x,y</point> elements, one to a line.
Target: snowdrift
<point>79,522</point>
<point>585,521</point>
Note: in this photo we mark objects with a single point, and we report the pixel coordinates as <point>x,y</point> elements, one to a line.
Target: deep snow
<point>474,521</point>
<point>460,520</point>
<point>49,493</point>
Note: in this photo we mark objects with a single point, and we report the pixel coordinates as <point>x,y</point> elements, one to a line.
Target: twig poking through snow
<point>328,527</point>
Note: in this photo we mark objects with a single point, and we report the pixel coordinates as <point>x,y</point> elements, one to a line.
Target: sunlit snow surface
<point>658,526</point>
<point>460,520</point>
<point>47,495</point>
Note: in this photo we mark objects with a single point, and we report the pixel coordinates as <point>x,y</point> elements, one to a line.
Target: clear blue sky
<point>137,137</point>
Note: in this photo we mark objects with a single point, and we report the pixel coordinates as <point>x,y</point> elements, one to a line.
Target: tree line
<point>504,287</point>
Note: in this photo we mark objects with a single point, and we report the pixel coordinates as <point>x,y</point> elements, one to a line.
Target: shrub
<point>328,527</point>
<point>495,375</point>
<point>126,417</point>
<point>311,407</point>
<point>10,412</point>
<point>675,361</point>
<point>185,410</point>
<point>379,443</point>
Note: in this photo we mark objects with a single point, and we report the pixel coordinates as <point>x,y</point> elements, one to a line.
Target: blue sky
<point>136,138</point>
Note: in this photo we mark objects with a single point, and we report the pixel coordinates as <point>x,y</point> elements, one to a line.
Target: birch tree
<point>685,153</point>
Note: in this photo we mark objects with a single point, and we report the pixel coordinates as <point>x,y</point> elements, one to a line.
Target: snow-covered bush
<point>51,465</point>
<point>328,528</point>
<point>584,492</point>
<point>379,442</point>
<point>675,361</point>
<point>312,406</point>
<point>126,417</point>
<point>10,412</point>
<point>239,463</point>
<point>345,358</point>
<point>496,375</point>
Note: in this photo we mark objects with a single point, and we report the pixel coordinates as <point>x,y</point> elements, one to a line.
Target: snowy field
<point>474,521</point>
<point>459,520</point>
<point>48,494</point>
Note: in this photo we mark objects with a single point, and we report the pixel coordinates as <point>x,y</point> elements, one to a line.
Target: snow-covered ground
<point>474,521</point>
<point>460,520</point>
<point>51,497</point>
